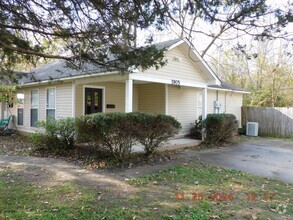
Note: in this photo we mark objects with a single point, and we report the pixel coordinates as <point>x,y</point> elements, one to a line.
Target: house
<point>185,88</point>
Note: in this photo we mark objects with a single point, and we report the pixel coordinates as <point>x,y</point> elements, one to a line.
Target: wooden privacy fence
<point>273,122</point>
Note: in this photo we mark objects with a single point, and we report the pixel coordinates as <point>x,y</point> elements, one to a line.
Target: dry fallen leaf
<point>254,217</point>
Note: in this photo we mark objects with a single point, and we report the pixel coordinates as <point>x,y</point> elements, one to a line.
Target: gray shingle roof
<point>58,69</point>
<point>228,86</point>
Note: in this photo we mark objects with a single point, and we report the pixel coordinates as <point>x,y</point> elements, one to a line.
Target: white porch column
<point>128,95</point>
<point>204,106</point>
<point>73,98</point>
<point>166,99</point>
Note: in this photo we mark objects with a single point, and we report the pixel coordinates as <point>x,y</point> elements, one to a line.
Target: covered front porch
<point>125,93</point>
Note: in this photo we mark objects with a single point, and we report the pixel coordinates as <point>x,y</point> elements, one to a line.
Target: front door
<point>93,100</point>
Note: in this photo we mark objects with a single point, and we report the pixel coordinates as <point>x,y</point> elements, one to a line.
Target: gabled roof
<point>59,70</point>
<point>168,44</point>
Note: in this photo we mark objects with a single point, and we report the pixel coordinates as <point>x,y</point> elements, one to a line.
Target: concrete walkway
<point>173,144</point>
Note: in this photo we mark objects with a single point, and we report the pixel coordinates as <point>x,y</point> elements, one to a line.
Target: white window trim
<point>47,100</point>
<point>23,109</point>
<point>30,118</point>
<point>93,87</point>
<point>22,117</point>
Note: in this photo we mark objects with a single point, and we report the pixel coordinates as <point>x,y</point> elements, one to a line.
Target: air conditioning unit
<point>252,129</point>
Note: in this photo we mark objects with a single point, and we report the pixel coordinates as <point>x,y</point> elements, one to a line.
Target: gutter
<point>229,90</point>
<point>69,78</point>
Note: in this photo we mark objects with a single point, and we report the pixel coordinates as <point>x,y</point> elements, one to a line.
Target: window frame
<point>20,106</point>
<point>38,106</point>
<point>103,97</point>
<point>47,104</point>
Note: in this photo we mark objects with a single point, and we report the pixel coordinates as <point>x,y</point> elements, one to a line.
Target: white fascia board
<point>215,79</point>
<point>69,78</point>
<point>229,90</point>
<point>175,45</point>
<point>165,81</point>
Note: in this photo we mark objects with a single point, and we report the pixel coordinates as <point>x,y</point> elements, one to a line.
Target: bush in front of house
<point>196,129</point>
<point>220,127</point>
<point>118,132</point>
<point>56,135</point>
<point>153,129</point>
<point>112,131</point>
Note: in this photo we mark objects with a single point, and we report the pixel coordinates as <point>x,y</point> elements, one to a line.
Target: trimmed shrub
<point>113,131</point>
<point>118,132</point>
<point>220,127</point>
<point>153,129</point>
<point>56,135</point>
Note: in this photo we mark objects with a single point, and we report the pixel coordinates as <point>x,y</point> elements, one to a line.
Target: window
<point>51,103</point>
<point>20,103</point>
<point>34,107</point>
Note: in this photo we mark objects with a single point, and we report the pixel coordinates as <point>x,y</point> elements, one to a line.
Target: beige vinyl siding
<point>26,109</point>
<point>63,100</point>
<point>135,98</point>
<point>63,104</point>
<point>178,67</point>
<point>182,105</point>
<point>79,93</point>
<point>210,101</point>
<point>231,102</point>
<point>214,95</point>
<point>114,93</point>
<point>151,98</point>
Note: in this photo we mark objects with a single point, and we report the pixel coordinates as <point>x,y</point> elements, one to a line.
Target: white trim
<point>94,87</point>
<point>46,96</point>
<point>166,100</point>
<point>175,45</point>
<point>208,68</point>
<point>166,81</point>
<point>30,113</point>
<point>18,107</point>
<point>128,95</point>
<point>229,90</point>
<point>73,98</point>
<point>16,123</point>
<point>70,78</point>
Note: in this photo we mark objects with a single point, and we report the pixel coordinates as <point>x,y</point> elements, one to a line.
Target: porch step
<point>179,143</point>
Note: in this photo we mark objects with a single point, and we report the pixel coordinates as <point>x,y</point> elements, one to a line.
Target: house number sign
<point>175,82</point>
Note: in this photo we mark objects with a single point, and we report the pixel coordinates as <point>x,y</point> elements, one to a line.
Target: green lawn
<point>209,193</point>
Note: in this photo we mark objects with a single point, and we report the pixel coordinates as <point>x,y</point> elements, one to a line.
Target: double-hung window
<point>51,103</point>
<point>34,107</point>
<point>20,107</point>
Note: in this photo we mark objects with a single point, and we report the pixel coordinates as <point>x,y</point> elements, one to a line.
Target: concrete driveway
<point>265,157</point>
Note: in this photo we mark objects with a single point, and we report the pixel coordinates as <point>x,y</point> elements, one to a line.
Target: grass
<point>209,193</point>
